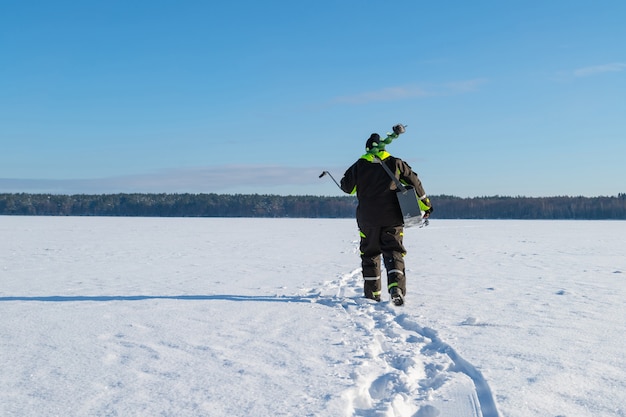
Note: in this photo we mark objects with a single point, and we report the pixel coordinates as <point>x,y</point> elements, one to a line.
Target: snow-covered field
<point>263,317</point>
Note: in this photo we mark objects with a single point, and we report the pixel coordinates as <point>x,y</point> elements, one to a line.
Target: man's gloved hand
<point>399,129</point>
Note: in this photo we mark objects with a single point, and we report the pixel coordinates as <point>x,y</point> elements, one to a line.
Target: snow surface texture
<point>264,317</point>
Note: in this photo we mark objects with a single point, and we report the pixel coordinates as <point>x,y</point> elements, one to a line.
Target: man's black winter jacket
<point>376,191</point>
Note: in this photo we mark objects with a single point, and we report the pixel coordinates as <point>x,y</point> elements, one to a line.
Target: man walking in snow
<point>379,217</point>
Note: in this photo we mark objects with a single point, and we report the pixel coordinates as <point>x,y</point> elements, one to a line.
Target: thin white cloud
<point>467,86</point>
<point>599,69</point>
<point>411,91</point>
<point>385,94</point>
<point>217,179</point>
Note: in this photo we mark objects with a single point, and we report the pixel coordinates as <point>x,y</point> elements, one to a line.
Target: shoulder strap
<point>400,186</point>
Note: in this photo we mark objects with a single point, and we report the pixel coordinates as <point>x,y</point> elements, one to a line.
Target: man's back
<point>375,190</point>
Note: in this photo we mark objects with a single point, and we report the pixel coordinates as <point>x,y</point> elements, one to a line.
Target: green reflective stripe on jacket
<point>424,204</point>
<point>382,155</point>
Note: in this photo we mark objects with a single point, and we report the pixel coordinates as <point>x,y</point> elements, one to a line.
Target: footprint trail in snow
<point>401,368</point>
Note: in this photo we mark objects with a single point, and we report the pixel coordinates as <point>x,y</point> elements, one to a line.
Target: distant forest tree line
<point>256,205</point>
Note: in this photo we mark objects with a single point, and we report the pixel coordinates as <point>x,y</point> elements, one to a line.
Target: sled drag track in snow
<point>400,367</point>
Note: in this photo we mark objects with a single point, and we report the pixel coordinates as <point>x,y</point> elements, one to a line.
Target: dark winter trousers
<point>388,242</point>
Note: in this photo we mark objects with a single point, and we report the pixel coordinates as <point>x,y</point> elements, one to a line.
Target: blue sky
<point>500,97</point>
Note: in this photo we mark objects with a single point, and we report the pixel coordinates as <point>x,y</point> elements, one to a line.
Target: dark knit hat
<point>372,142</point>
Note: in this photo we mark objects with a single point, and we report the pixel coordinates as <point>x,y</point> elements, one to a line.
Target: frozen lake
<point>264,317</point>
